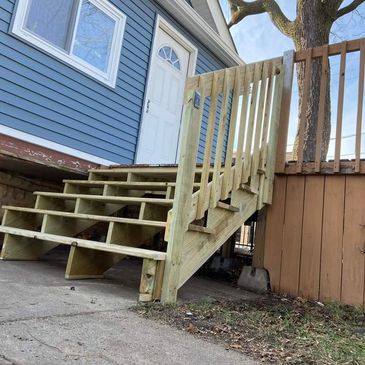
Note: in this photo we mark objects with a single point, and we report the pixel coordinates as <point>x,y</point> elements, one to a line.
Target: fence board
<point>360,107</point>
<point>311,238</point>
<point>274,233</point>
<point>303,112</point>
<point>353,271</point>
<point>292,235</point>
<point>332,239</point>
<point>341,92</point>
<point>322,108</point>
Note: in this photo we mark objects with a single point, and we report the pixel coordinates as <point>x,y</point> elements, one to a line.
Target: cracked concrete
<point>46,320</point>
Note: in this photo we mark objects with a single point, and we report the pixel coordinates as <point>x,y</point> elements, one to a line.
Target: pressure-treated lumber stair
<point>197,207</point>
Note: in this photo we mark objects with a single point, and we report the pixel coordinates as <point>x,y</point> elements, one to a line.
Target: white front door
<point>159,136</point>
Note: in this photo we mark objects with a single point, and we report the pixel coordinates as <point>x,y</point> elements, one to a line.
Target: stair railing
<point>237,109</point>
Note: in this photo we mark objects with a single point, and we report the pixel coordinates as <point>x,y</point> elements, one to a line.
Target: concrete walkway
<point>46,320</point>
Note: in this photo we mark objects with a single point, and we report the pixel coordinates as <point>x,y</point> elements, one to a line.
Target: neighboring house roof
<point>221,45</point>
<point>211,12</point>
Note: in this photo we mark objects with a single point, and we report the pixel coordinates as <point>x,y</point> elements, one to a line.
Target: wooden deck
<point>196,207</point>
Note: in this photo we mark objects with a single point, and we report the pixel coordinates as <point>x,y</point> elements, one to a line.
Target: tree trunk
<point>312,30</point>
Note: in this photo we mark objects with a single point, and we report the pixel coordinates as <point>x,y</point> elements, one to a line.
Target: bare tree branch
<point>240,9</point>
<point>347,9</point>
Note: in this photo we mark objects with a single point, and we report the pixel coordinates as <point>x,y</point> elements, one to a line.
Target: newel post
<point>178,222</point>
<point>288,63</point>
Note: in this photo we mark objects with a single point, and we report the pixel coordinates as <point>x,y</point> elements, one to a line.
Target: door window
<point>170,56</point>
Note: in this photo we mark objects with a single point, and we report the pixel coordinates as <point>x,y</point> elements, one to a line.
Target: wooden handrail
<point>256,91</point>
<point>248,89</point>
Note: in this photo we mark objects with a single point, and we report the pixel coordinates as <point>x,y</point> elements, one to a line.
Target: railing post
<point>178,225</point>
<point>288,62</point>
<point>273,138</point>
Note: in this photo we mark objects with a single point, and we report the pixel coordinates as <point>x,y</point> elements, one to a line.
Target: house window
<point>86,34</point>
<point>170,56</point>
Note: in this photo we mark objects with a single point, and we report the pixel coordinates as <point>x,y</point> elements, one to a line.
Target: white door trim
<point>163,24</point>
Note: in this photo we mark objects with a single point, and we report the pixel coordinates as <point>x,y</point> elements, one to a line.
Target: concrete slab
<point>46,320</point>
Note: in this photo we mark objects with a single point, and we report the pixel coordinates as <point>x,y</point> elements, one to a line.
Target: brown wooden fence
<point>314,232</point>
<point>315,238</point>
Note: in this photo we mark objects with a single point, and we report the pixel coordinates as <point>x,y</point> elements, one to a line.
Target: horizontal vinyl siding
<point>47,98</point>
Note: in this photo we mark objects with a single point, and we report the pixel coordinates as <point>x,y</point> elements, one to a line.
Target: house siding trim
<point>26,137</point>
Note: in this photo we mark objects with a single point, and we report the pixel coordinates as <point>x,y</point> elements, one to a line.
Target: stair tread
<point>100,218</point>
<point>125,184</point>
<point>145,169</point>
<point>107,199</point>
<point>99,246</point>
<point>229,207</point>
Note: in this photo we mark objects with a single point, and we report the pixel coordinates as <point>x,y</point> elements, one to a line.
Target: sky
<point>257,38</point>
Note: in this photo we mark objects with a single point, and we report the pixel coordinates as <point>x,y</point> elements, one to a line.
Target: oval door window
<point>170,56</point>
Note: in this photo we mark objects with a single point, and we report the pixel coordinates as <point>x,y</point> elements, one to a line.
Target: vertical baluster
<point>341,92</point>
<point>322,109</point>
<point>251,123</point>
<point>242,128</point>
<point>265,128</point>
<point>303,119</point>
<point>216,185</point>
<point>227,176</point>
<point>265,132</point>
<point>360,107</point>
<point>203,192</point>
<point>254,183</point>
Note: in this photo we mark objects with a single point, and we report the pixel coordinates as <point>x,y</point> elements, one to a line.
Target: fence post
<point>178,225</point>
<point>288,62</point>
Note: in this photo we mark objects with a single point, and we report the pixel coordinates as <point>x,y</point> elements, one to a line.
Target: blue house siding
<point>44,97</point>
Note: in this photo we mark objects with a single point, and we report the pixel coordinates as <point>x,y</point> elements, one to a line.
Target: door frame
<point>164,25</point>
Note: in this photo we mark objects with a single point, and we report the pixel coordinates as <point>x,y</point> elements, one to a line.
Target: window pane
<point>50,19</point>
<point>169,55</point>
<point>94,36</point>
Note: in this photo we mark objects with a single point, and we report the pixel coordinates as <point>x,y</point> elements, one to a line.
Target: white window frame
<point>110,76</point>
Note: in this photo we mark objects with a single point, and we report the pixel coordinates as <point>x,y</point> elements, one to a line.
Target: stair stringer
<point>199,247</point>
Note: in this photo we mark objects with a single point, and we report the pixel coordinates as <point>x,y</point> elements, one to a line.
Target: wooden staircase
<point>119,211</point>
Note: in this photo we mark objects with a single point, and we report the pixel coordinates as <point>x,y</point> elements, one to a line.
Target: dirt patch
<point>272,329</point>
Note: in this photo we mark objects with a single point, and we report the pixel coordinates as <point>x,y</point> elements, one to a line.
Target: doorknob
<point>148,106</point>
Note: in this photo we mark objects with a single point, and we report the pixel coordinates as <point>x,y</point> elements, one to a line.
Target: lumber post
<point>179,223</point>
<point>260,235</point>
<point>288,62</point>
<point>273,139</point>
<point>151,280</point>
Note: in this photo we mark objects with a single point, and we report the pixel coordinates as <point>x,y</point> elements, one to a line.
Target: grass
<point>273,330</point>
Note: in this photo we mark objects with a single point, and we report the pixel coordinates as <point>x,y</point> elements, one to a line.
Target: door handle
<point>148,106</point>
